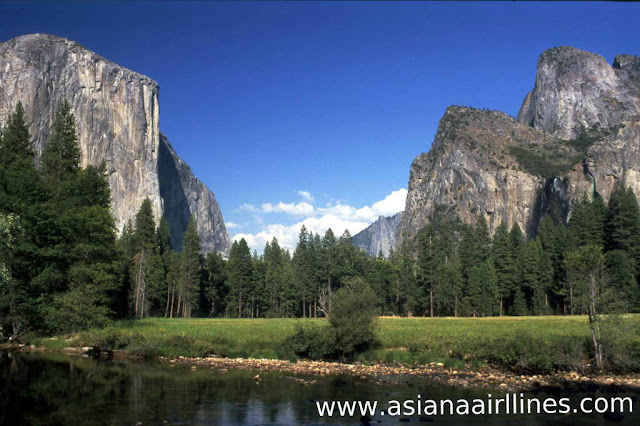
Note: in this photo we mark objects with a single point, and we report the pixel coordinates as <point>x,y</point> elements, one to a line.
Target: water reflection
<point>54,389</point>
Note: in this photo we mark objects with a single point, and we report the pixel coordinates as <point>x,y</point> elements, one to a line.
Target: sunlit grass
<point>403,340</point>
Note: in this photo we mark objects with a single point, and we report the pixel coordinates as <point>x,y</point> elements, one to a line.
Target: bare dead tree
<point>324,300</point>
<point>140,283</point>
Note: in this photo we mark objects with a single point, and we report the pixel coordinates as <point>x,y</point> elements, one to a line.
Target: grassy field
<point>530,343</point>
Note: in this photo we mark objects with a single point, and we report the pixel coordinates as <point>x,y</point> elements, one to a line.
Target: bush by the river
<point>527,344</point>
<point>351,328</point>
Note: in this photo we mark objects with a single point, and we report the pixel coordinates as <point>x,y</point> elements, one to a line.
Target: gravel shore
<point>485,377</point>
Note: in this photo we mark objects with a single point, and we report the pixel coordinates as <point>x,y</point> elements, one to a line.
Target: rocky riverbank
<point>485,377</point>
<point>481,378</point>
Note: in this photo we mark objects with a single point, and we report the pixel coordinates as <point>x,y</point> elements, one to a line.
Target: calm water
<point>54,389</point>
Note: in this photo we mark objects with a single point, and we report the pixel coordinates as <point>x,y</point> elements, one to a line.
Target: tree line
<point>463,270</point>
<point>63,267</point>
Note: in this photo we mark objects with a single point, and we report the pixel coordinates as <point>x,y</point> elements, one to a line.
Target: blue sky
<point>270,101</point>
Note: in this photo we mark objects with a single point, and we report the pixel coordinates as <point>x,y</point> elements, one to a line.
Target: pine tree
<point>61,155</point>
<point>529,264</point>
<point>258,289</point>
<point>407,294</point>
<point>428,260</point>
<point>82,199</point>
<point>145,236</point>
<point>381,277</point>
<point>482,290</point>
<point>586,225</point>
<point>505,264</point>
<point>303,259</point>
<point>274,264</point>
<point>555,240</point>
<point>328,269</point>
<point>452,278</point>
<point>519,307</point>
<point>483,238</point>
<point>622,280</point>
<point>540,302</point>
<point>23,194</point>
<point>475,245</point>
<point>240,271</point>
<point>516,237</point>
<point>215,290</point>
<point>148,272</point>
<point>174,276</point>
<point>190,271</point>
<point>622,226</point>
<point>289,300</point>
<point>164,237</point>
<point>125,253</point>
<point>16,141</point>
<point>437,275</point>
<point>12,293</point>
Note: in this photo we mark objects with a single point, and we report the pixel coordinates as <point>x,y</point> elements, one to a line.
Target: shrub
<point>352,317</point>
<point>522,352</point>
<point>620,345</point>
<point>111,338</point>
<point>76,310</point>
<point>454,363</point>
<point>146,349</point>
<point>312,342</point>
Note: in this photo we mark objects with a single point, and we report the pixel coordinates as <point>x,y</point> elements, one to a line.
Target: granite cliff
<point>576,135</point>
<point>117,114</point>
<point>380,236</point>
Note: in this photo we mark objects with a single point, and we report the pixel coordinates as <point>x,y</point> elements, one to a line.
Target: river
<point>38,388</point>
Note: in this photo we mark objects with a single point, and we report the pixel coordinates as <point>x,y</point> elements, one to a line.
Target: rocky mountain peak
<point>626,62</point>
<point>379,237</point>
<point>577,134</point>
<point>576,91</point>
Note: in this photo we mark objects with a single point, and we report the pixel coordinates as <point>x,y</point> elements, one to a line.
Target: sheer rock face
<point>380,236</point>
<point>117,115</point>
<point>470,171</point>
<point>472,168</point>
<point>615,158</point>
<point>576,90</point>
<point>183,194</point>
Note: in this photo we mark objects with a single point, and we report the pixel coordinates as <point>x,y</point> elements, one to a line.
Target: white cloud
<point>306,195</point>
<point>248,208</point>
<point>232,225</point>
<point>297,209</point>
<point>339,217</point>
<point>287,235</point>
<point>392,203</point>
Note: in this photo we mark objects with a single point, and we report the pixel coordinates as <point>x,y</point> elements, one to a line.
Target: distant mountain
<point>380,236</point>
<point>117,115</point>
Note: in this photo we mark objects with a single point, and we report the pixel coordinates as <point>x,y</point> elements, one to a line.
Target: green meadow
<point>534,344</point>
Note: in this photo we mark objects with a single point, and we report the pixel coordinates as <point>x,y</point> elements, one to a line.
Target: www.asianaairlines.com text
<point>510,403</point>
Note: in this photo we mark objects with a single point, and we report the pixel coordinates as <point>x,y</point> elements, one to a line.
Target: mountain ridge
<point>576,135</point>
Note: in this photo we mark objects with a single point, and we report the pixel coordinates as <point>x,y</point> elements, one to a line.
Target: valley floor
<point>517,346</point>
